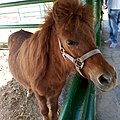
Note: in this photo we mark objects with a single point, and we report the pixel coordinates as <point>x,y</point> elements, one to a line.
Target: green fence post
<point>75,107</point>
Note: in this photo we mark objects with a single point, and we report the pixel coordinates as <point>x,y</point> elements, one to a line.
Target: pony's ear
<point>87,14</point>
<point>57,13</point>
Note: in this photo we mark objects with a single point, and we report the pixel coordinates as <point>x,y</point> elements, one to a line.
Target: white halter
<point>79,62</point>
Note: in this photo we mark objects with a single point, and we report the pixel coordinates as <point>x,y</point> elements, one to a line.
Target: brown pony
<point>65,42</point>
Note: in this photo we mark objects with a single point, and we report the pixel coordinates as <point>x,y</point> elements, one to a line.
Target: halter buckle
<point>78,63</point>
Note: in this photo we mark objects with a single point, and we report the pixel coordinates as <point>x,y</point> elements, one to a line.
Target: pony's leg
<point>29,93</point>
<point>53,107</point>
<point>42,102</point>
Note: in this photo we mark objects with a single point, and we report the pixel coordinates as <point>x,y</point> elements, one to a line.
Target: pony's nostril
<point>105,79</point>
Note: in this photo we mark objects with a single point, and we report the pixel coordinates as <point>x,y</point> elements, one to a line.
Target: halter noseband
<point>79,61</point>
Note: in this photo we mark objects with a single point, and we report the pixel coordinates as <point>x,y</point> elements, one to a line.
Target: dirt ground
<point>14,103</point>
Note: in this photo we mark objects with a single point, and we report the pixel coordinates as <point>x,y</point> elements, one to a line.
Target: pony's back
<point>16,39</point>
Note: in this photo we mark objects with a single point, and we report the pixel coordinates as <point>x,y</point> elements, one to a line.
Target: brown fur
<point>36,61</point>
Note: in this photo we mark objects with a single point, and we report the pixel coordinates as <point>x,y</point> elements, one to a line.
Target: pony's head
<point>74,29</point>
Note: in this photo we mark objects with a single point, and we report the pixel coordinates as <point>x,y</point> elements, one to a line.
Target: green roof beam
<point>25,2</point>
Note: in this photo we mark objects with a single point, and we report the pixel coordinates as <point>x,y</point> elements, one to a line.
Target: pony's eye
<point>72,42</point>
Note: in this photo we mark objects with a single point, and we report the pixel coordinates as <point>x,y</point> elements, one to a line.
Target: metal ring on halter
<point>78,63</point>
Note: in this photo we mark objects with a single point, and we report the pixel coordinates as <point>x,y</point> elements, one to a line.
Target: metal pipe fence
<point>23,16</point>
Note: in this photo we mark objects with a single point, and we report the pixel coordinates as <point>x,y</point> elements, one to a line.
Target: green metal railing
<point>25,2</point>
<point>19,26</point>
<point>80,102</point>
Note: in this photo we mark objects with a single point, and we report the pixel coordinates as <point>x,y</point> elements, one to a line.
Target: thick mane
<point>67,12</point>
<point>34,53</point>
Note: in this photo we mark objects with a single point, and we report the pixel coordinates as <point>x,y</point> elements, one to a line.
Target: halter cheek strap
<point>78,62</point>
